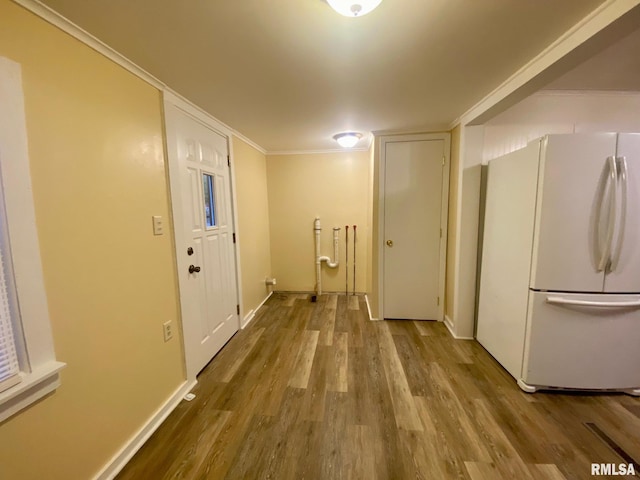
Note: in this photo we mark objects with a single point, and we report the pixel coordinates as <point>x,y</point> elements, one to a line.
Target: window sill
<point>35,385</point>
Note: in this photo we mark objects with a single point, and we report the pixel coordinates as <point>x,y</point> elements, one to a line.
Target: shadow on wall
<point>484,171</point>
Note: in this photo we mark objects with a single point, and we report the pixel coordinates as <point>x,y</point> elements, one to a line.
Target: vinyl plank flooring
<point>342,318</point>
<point>315,393</point>
<point>338,378</point>
<point>302,370</point>
<point>453,416</point>
<point>360,464</point>
<point>441,459</point>
<point>327,326</point>
<point>504,455</point>
<point>634,409</point>
<point>237,355</point>
<point>355,328</point>
<point>415,372</point>
<point>194,452</point>
<point>284,368</point>
<point>334,456</point>
<point>332,302</point>
<point>403,406</point>
<point>546,472</point>
<point>379,409</point>
<point>314,390</point>
<point>354,303</point>
<point>358,387</point>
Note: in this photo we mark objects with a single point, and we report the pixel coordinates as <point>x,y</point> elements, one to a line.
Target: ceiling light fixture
<point>347,139</point>
<point>353,8</point>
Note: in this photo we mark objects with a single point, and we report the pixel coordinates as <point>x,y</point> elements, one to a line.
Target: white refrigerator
<point>559,299</point>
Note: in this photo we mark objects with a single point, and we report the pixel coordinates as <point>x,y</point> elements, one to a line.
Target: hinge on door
<point>229,161</point>
<point>234,237</point>
<point>238,309</point>
<point>438,300</point>
<point>443,160</point>
<point>440,233</point>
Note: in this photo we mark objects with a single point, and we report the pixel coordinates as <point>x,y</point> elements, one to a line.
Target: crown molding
<point>67,26</point>
<point>249,142</point>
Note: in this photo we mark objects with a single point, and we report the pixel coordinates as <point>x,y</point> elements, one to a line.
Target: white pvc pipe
<point>317,229</point>
<point>319,258</point>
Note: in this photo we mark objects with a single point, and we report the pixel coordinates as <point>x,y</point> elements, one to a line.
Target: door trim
<point>446,138</point>
<point>180,244</point>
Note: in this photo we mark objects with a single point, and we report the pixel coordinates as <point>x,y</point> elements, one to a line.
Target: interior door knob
<point>389,243</point>
<point>193,268</point>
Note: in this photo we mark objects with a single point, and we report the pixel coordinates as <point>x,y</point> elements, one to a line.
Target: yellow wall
<point>374,293</point>
<point>97,165</point>
<point>452,228</point>
<point>370,213</point>
<point>253,217</point>
<point>333,186</point>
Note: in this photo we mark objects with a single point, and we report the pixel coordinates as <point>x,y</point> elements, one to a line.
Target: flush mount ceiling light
<point>347,139</point>
<point>353,8</point>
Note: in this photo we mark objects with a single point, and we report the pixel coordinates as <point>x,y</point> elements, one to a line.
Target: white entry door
<point>413,246</point>
<point>202,206</point>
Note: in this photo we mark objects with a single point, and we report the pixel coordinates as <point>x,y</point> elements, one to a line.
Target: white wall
<point>463,317</point>
<point>560,112</point>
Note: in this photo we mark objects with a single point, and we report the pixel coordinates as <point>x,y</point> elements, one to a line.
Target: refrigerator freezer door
<point>566,251</point>
<point>583,341</point>
<point>624,274</point>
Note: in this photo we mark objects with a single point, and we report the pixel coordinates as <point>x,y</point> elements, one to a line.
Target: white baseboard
<point>247,318</point>
<point>449,325</point>
<point>252,313</point>
<point>117,463</point>
<point>366,299</point>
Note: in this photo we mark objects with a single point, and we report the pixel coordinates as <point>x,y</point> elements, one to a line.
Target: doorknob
<point>389,243</point>
<point>193,268</point>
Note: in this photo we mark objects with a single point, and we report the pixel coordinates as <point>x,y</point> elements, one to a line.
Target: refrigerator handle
<point>613,198</point>
<point>590,303</point>
<point>622,176</point>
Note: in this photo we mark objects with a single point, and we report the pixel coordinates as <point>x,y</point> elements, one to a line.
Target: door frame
<point>175,198</point>
<point>444,210</point>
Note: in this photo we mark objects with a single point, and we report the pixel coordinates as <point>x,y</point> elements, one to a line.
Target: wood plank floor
<point>316,391</point>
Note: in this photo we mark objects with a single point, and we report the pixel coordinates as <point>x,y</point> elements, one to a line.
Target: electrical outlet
<point>167,328</point>
<point>158,225</point>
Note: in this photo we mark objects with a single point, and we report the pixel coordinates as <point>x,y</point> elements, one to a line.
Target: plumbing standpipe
<point>319,258</point>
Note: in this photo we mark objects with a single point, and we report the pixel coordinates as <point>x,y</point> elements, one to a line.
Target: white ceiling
<point>288,74</point>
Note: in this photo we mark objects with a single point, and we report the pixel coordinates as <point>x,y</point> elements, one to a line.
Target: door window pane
<point>209,200</point>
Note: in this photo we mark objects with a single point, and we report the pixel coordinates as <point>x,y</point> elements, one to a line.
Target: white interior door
<point>413,192</point>
<point>201,195</point>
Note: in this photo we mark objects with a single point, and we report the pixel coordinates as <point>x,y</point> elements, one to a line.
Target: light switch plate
<point>167,329</point>
<point>158,225</point>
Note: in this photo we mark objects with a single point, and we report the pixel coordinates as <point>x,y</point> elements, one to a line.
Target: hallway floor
<point>316,391</point>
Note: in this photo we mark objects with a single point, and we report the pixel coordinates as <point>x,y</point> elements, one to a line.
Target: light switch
<point>158,225</point>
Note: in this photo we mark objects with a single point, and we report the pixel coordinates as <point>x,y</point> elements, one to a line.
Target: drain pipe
<point>319,258</point>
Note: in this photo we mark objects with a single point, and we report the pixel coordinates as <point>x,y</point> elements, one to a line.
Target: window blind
<point>9,367</point>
